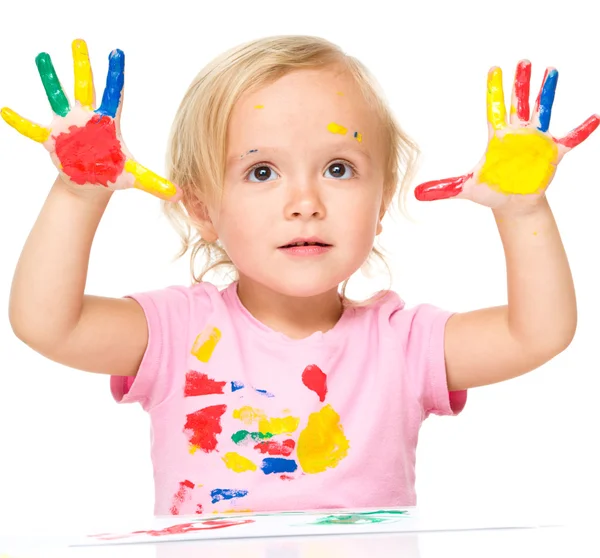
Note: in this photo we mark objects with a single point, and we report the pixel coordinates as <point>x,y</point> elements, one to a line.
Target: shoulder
<point>391,315</point>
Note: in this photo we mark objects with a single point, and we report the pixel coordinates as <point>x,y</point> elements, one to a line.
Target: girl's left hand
<point>521,155</point>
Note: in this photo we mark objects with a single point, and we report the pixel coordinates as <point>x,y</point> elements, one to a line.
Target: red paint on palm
<point>276,448</point>
<point>203,426</point>
<point>198,383</point>
<point>441,189</point>
<point>315,380</point>
<point>91,154</point>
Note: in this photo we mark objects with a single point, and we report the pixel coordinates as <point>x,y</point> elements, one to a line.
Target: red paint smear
<point>537,101</point>
<point>203,427</point>
<point>286,477</point>
<point>441,189</point>
<point>180,495</point>
<point>522,81</point>
<point>197,383</point>
<point>183,528</point>
<point>199,509</point>
<point>91,154</point>
<point>314,379</point>
<point>276,448</point>
<point>581,133</point>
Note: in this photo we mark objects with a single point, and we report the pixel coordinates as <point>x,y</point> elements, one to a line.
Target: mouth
<point>306,242</point>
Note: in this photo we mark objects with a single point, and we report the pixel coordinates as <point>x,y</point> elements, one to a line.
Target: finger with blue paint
<point>111,99</point>
<point>545,100</point>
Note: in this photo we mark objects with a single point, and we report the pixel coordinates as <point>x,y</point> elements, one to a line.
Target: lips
<point>310,241</point>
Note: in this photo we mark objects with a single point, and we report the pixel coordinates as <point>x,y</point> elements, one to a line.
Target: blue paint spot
<point>114,84</point>
<point>219,494</point>
<point>264,392</point>
<point>547,99</point>
<point>253,151</point>
<point>278,465</point>
<point>236,385</point>
<point>355,134</point>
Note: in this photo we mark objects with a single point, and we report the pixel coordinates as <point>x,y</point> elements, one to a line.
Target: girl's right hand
<point>85,143</point>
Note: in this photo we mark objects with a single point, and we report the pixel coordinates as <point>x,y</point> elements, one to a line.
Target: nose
<point>304,202</point>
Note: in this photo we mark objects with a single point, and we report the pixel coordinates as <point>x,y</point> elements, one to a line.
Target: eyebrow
<point>258,151</point>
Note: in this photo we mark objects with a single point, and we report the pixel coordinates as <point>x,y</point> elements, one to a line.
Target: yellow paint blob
<point>84,84</point>
<point>358,137</point>
<point>193,449</point>
<point>284,425</point>
<point>149,181</point>
<point>322,443</point>
<point>520,162</point>
<point>340,93</point>
<point>248,414</point>
<point>336,128</point>
<point>205,343</point>
<point>259,106</point>
<point>238,463</point>
<point>23,126</point>
<point>496,109</point>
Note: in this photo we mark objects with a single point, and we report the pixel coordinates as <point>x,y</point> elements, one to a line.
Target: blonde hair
<point>198,142</point>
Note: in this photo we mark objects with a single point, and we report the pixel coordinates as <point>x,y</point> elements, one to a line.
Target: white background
<point>67,450</point>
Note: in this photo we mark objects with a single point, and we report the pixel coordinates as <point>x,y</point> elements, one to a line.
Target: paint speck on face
<point>337,128</point>
<point>358,136</point>
<point>248,153</point>
<point>259,106</point>
<point>340,93</point>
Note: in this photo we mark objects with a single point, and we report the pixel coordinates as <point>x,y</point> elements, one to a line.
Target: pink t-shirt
<point>246,418</point>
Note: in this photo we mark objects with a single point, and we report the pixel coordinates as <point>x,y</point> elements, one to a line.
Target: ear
<point>198,210</point>
<point>379,228</point>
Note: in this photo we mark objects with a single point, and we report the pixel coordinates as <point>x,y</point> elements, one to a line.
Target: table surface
<point>546,542</point>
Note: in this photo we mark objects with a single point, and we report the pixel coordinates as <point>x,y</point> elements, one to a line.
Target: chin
<point>305,285</point>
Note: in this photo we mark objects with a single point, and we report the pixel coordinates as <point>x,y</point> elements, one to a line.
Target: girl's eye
<point>262,173</point>
<point>340,170</point>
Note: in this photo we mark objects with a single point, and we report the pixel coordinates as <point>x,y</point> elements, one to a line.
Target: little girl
<point>278,392</point>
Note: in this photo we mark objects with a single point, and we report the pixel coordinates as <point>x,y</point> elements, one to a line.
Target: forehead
<point>305,107</point>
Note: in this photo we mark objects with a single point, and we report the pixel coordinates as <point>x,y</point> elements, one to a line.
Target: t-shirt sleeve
<point>425,360</point>
<point>167,314</point>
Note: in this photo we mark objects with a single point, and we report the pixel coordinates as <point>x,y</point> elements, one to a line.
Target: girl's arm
<point>495,344</point>
<point>48,309</point>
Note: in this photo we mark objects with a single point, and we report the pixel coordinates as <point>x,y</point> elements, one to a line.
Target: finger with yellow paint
<point>83,78</point>
<point>496,109</point>
<point>25,127</point>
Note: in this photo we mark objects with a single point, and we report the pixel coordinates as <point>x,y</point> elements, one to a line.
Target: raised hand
<point>521,155</point>
<point>85,143</point>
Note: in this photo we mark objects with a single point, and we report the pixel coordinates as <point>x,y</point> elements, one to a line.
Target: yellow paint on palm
<point>205,343</point>
<point>283,425</point>
<point>520,162</point>
<point>23,126</point>
<point>149,181</point>
<point>84,84</point>
<point>322,443</point>
<point>336,128</point>
<point>238,463</point>
<point>496,109</point>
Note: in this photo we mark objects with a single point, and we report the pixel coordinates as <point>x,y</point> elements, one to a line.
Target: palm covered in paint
<point>521,155</point>
<point>85,144</point>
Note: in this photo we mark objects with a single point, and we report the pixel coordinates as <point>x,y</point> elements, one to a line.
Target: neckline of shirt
<point>263,330</point>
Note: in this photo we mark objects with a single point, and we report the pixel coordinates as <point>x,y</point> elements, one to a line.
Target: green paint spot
<point>381,516</point>
<point>54,91</point>
<point>241,435</point>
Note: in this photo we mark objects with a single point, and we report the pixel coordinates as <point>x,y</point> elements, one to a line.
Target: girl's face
<point>293,173</point>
